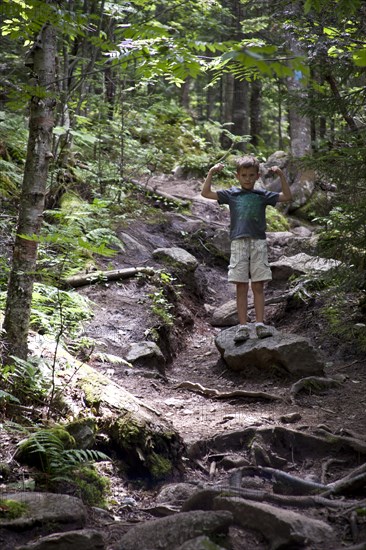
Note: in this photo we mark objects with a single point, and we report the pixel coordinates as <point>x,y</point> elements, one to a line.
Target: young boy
<point>248,260</point>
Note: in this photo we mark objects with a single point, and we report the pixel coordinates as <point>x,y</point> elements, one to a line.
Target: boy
<point>248,258</point>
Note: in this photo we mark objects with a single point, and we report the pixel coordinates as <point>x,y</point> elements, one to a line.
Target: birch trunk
<point>20,287</point>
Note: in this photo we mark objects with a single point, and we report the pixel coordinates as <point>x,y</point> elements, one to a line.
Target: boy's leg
<point>242,333</point>
<point>258,293</point>
<point>242,302</point>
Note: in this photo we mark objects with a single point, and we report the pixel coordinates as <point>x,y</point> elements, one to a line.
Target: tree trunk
<point>300,132</point>
<point>240,111</point>
<point>185,93</point>
<point>255,112</point>
<point>18,305</point>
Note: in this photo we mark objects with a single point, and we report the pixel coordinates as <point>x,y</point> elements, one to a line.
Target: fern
<point>26,379</point>
<point>6,396</point>
<point>50,450</point>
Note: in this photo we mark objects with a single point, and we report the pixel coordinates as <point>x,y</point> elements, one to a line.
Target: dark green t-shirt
<point>247,211</point>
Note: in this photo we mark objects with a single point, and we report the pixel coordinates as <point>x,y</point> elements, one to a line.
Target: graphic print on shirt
<point>249,207</point>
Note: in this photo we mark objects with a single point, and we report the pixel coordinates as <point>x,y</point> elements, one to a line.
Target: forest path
<point>121,319</point>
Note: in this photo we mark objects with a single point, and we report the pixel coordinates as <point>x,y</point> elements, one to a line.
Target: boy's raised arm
<point>206,189</point>
<point>285,195</point>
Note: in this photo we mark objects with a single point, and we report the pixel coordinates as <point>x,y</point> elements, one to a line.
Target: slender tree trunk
<point>299,124</point>
<point>255,111</point>
<point>185,93</point>
<point>341,103</point>
<point>19,297</point>
<point>241,110</point>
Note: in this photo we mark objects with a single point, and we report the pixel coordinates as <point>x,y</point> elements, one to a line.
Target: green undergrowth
<point>11,509</point>
<point>60,464</point>
<point>276,221</point>
<point>55,310</point>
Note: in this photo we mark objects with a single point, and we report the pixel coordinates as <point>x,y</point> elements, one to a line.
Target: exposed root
<point>214,393</point>
<point>313,384</point>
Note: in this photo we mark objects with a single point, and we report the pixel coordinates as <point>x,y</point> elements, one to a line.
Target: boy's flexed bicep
<point>207,192</point>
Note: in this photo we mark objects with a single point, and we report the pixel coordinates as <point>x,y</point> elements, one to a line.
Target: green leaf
<point>359,57</point>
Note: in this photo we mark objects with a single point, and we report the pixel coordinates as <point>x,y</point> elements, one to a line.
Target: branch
<point>83,279</point>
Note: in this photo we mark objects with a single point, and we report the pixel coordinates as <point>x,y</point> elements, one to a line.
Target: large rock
<point>146,355</point>
<point>280,527</point>
<point>176,257</point>
<point>286,353</point>
<point>300,264</point>
<point>225,315</point>
<point>44,509</point>
<point>182,265</point>
<point>302,189</point>
<point>173,531</point>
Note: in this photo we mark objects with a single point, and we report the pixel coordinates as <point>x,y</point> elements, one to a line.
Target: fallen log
<point>82,279</point>
<point>134,432</point>
<point>165,196</point>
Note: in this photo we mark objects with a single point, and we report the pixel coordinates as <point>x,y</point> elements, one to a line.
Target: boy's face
<point>247,177</point>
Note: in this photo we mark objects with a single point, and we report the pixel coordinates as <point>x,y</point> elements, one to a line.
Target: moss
<point>159,466</point>
<point>276,221</point>
<point>92,387</point>
<point>11,509</point>
<point>129,431</point>
<point>92,486</point>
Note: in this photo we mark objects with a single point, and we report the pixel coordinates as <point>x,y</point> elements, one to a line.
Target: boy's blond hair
<point>247,161</point>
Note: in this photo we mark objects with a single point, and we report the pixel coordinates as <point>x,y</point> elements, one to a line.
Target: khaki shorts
<point>249,260</point>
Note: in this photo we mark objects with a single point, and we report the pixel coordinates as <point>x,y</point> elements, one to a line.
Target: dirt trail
<point>121,319</point>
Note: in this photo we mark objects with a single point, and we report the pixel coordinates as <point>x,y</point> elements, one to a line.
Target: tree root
<point>352,481</point>
<point>313,383</point>
<point>201,499</point>
<point>216,394</point>
<point>285,483</point>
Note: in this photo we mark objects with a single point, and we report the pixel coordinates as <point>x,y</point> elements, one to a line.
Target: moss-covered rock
<point>11,509</point>
<point>148,445</point>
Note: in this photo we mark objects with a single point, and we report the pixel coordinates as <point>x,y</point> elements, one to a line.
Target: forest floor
<point>196,359</point>
<point>121,317</point>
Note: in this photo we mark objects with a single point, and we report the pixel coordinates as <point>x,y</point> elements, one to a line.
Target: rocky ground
<point>122,317</point>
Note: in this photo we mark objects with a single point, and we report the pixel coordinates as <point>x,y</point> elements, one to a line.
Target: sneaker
<point>242,334</point>
<point>263,331</point>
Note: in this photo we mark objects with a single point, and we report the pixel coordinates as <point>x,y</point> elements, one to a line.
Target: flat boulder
<point>176,257</point>
<point>300,264</point>
<point>84,539</point>
<point>173,531</point>
<point>46,508</point>
<point>282,528</point>
<point>288,354</point>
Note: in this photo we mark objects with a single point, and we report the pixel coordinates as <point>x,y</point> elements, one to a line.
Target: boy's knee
<point>242,287</point>
<point>257,287</point>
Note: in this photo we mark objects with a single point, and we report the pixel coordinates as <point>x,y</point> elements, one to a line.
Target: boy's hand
<point>275,170</point>
<point>217,168</point>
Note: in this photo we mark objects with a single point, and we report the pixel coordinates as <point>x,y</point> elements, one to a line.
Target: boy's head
<point>247,171</point>
<point>247,161</point>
